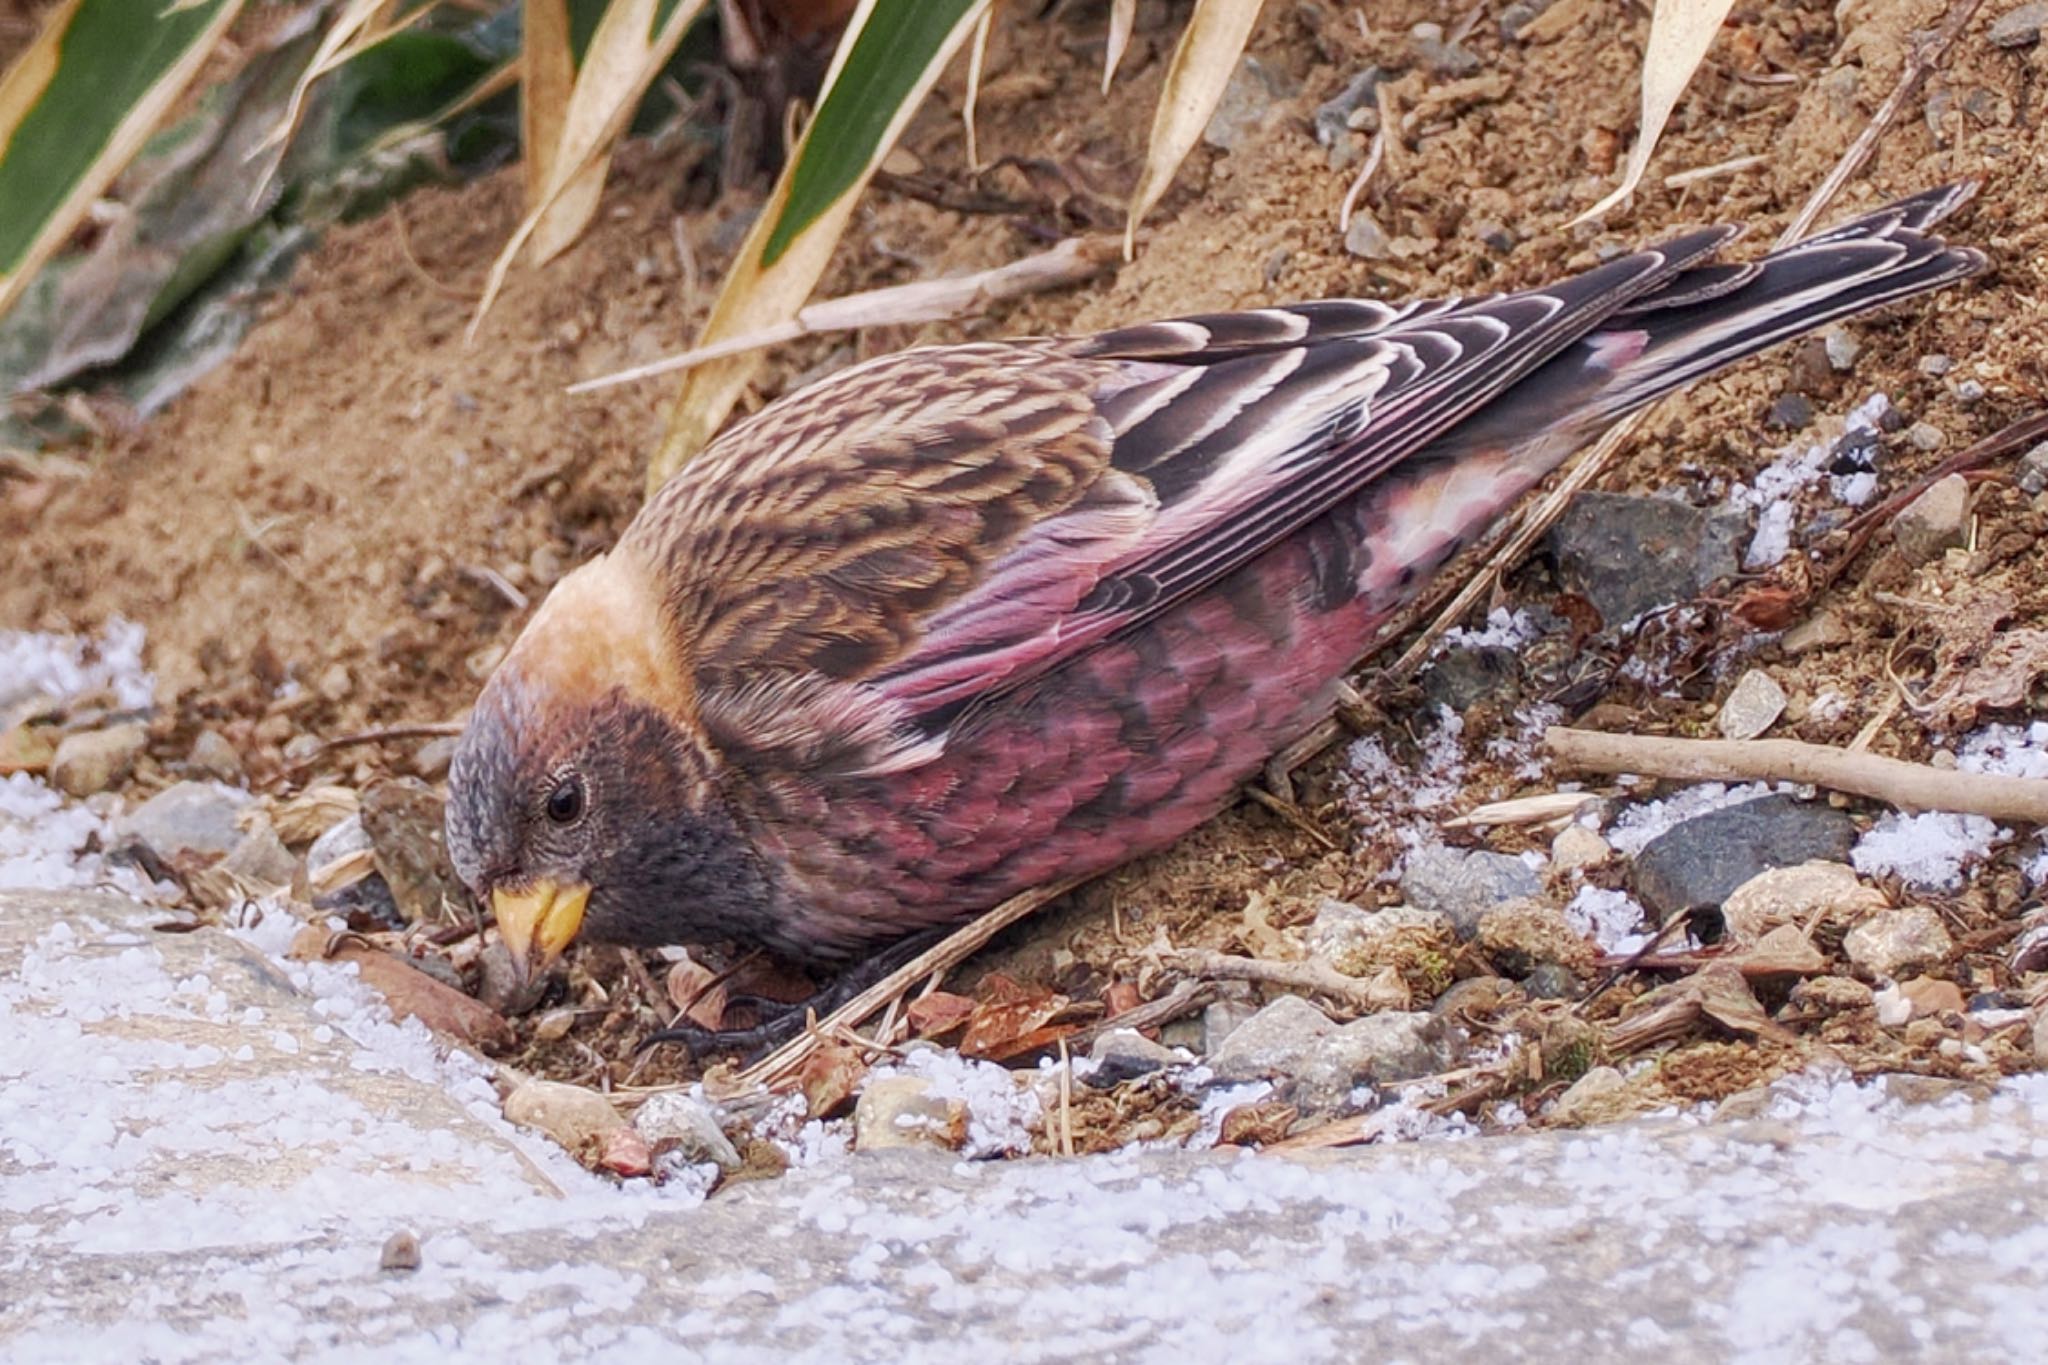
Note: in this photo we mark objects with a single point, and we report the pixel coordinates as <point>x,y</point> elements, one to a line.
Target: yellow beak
<point>538,923</point>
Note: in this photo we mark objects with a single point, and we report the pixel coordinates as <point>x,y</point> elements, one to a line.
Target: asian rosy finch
<point>963,620</point>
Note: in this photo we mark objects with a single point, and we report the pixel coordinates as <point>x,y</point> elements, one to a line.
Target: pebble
<point>498,985</point>
<point>1970,391</point>
<point>2033,470</point>
<point>1790,412</point>
<point>1895,941</point>
<point>1842,348</point>
<point>94,760</point>
<point>1418,945</point>
<point>1524,935</point>
<point>1935,522</point>
<point>1752,707</point>
<point>1795,895</point>
<point>1279,1040</point>
<point>1926,436</point>
<point>1629,554</point>
<point>1463,884</point>
<point>1366,238</point>
<point>1465,675</point>
<point>212,756</point>
<point>1930,996</point>
<point>431,759</point>
<point>1124,1054</point>
<point>1599,1096</point>
<point>1822,630</point>
<point>1380,1049</point>
<point>1577,847</point>
<point>1332,120</point>
<point>1221,1019</point>
<point>401,1252</point>
<point>901,1111</point>
<point>1832,995</point>
<point>1701,861</point>
<point>1449,60</point>
<point>1247,101</point>
<point>575,1117</point>
<point>190,818</point>
<point>2020,26</point>
<point>1936,365</point>
<point>1519,16</point>
<point>404,821</point>
<point>674,1122</point>
<point>1551,982</point>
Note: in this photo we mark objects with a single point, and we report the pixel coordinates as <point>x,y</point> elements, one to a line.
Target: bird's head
<point>581,803</point>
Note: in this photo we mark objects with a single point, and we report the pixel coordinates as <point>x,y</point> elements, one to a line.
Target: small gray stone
<point>674,1122</point>
<point>1969,391</point>
<point>212,756</point>
<point>1925,436</point>
<point>1380,1049</point>
<point>1333,116</point>
<point>1893,942</point>
<point>2020,26</point>
<point>1550,981</point>
<point>1519,16</point>
<point>2033,470</point>
<point>431,759</point>
<point>1701,861</point>
<point>1249,97</point>
<point>901,1111</point>
<point>339,841</point>
<point>260,863</point>
<point>1937,365</point>
<point>1790,412</point>
<point>498,984</point>
<point>1124,1054</point>
<point>1465,675</point>
<point>1280,1040</point>
<point>94,760</point>
<point>1842,348</point>
<point>1935,522</point>
<point>1494,235</point>
<point>191,818</point>
<point>1752,708</point>
<point>1221,1019</point>
<point>1628,554</point>
<point>401,1253</point>
<point>1464,884</point>
<point>1449,60</point>
<point>1366,238</point>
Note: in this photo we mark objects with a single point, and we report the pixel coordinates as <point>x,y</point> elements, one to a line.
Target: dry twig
<point>1074,260</point>
<point>1315,978</point>
<point>1910,786</point>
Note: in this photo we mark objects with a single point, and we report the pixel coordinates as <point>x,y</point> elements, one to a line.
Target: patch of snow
<point>1775,493</point>
<point>64,666</point>
<point>1389,798</point>
<point>1636,826</point>
<point>1928,851</point>
<point>50,843</point>
<point>1503,629</point>
<point>1002,1109</point>
<point>1611,919</point>
<point>1524,747</point>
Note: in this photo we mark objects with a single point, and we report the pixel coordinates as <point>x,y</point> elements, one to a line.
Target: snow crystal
<point>1775,493</point>
<point>1503,629</point>
<point>1644,821</point>
<point>47,842</point>
<point>1389,798</point>
<point>1928,851</point>
<point>61,666</point>
<point>1611,919</point>
<point>1002,1108</point>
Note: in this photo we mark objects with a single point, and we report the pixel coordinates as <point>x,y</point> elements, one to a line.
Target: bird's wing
<point>857,566</point>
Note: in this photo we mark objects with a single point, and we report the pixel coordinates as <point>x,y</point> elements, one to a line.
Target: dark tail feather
<point>1714,315</point>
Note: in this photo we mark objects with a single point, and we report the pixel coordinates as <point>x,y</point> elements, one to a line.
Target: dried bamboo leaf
<point>1681,31</point>
<point>1123,16</point>
<point>870,93</point>
<point>547,76</point>
<point>1202,65</point>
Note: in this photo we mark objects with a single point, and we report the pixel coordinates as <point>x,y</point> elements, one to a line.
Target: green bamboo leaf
<point>79,104</point>
<point>889,64</point>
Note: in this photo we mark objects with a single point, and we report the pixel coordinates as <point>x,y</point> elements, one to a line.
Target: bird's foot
<point>782,1020</point>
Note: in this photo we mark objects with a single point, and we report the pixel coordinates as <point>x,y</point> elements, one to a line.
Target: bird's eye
<point>564,805</point>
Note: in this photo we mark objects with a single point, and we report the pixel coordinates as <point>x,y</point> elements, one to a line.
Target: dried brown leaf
<point>938,1014</point>
<point>1203,62</point>
<point>830,1078</point>
<point>1681,31</point>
